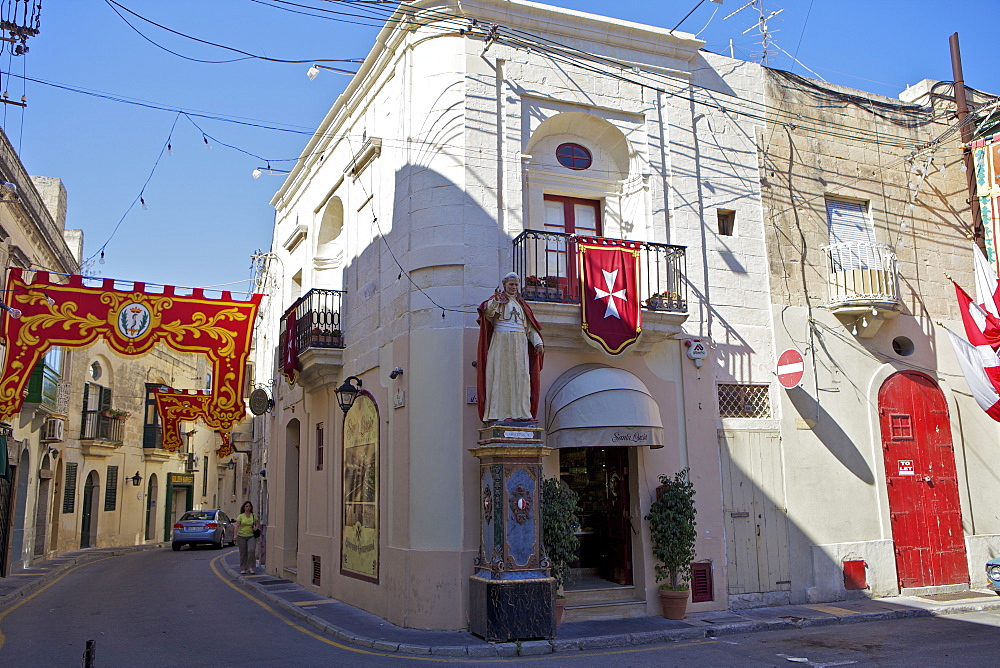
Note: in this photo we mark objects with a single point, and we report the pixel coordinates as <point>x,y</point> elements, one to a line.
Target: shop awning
<point>593,405</point>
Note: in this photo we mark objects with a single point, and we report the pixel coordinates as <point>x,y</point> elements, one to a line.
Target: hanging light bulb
<point>257,173</point>
<point>864,322</point>
<point>854,329</point>
<point>902,224</point>
<point>142,202</point>
<point>312,72</point>
<point>204,138</point>
<point>170,149</point>
<point>49,299</point>
<point>964,168</point>
<point>874,312</point>
<point>102,257</point>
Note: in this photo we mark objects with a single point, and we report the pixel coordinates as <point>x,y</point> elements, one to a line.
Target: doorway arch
<point>20,508</point>
<point>88,521</point>
<point>42,506</point>
<point>151,498</point>
<point>291,495</point>
<point>921,482</point>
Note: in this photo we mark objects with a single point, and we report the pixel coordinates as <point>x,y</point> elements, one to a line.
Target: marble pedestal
<point>511,594</point>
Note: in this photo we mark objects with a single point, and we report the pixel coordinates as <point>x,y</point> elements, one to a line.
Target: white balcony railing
<point>861,272</point>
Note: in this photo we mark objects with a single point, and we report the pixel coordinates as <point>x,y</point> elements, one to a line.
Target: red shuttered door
<point>922,484</point>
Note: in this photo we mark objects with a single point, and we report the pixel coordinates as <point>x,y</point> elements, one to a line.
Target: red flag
<point>987,285</point>
<point>290,365</point>
<point>981,328</point>
<point>979,366</point>
<point>611,311</point>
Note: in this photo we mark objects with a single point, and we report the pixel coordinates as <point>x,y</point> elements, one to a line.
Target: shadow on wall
<point>831,435</point>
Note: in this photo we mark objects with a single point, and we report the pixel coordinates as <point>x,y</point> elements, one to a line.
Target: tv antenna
<point>764,32</point>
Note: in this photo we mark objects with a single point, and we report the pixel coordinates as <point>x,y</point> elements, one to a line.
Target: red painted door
<point>924,507</point>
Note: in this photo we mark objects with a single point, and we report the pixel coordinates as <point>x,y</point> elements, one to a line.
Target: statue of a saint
<point>510,355</point>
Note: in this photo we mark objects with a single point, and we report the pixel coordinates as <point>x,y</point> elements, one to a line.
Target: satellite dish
<point>260,403</point>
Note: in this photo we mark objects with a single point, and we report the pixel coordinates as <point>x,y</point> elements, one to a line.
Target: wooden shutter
<point>701,582</point>
<point>69,489</point>
<point>848,221</point>
<point>111,489</point>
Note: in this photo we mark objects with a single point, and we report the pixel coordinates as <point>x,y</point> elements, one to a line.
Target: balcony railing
<point>547,264</point>
<point>97,426</point>
<point>862,272</point>
<point>317,321</point>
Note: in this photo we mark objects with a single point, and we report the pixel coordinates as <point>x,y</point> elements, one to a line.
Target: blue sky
<point>205,214</point>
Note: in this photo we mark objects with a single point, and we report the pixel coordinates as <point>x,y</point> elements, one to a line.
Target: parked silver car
<point>204,526</point>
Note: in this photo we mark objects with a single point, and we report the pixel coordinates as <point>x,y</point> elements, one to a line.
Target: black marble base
<point>504,610</point>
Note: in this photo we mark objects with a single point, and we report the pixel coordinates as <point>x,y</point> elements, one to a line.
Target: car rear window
<point>203,515</point>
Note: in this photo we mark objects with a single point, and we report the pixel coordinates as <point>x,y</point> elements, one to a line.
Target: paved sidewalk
<point>348,624</point>
<point>22,581</point>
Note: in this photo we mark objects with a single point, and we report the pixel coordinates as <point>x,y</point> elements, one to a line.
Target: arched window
<point>573,156</point>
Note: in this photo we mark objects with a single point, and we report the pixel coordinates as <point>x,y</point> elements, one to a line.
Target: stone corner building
<point>461,152</point>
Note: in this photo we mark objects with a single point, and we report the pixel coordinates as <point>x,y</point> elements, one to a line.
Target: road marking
<point>453,659</point>
<point>319,602</point>
<point>3,638</point>
<point>832,609</point>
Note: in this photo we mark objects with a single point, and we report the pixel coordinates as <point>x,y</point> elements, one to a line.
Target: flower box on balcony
<point>665,301</point>
<point>326,338</point>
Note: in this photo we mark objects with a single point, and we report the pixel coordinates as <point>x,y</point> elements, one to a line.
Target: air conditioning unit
<point>191,464</point>
<point>54,430</point>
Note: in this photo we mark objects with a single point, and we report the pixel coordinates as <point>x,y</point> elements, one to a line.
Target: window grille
<point>111,489</point>
<point>319,446</point>
<point>317,570</point>
<point>744,401</point>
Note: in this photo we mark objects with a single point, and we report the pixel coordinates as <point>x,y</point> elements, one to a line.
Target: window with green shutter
<point>111,490</point>
<point>69,491</point>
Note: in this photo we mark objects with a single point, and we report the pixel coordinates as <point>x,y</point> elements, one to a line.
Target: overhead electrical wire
<point>113,4</point>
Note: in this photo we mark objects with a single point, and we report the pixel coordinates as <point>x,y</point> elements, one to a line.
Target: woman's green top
<point>245,524</point>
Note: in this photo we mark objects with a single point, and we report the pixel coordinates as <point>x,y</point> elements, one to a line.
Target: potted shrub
<point>559,540</point>
<point>115,414</point>
<point>672,532</point>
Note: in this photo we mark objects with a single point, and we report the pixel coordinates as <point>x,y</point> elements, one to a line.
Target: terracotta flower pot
<point>560,607</point>
<point>674,603</point>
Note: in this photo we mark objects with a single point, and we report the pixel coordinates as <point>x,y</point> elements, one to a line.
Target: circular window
<point>902,346</point>
<point>573,156</point>
<point>95,371</point>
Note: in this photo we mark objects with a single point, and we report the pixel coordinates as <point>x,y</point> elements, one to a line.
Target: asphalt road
<point>164,608</point>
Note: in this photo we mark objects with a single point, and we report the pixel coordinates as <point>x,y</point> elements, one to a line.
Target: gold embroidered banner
<point>131,320</point>
<point>176,406</point>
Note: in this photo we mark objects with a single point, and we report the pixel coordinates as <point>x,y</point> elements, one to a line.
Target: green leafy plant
<point>559,523</point>
<point>672,530</point>
<point>117,414</point>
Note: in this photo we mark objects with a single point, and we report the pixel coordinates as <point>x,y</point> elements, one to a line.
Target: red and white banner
<point>981,369</point>
<point>981,328</point>
<point>987,285</point>
<point>611,311</point>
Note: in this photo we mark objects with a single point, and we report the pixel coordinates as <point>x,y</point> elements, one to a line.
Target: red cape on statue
<point>535,359</point>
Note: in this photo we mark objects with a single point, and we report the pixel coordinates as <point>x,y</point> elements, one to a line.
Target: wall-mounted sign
<point>696,350</point>
<point>791,366</point>
<point>259,401</point>
<point>905,467</point>
<point>359,552</point>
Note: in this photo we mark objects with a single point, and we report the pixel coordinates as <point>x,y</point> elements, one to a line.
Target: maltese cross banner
<point>611,311</point>
<point>131,320</point>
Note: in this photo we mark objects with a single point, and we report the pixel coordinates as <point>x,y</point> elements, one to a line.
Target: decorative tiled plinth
<point>505,610</point>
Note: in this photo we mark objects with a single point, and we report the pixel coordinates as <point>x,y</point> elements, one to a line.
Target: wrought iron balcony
<point>102,426</point>
<point>547,264</point>
<point>863,274</point>
<point>863,283</point>
<point>317,333</point>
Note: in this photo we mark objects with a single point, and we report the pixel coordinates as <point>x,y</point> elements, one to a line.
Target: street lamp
<point>231,465</point>
<point>347,393</point>
<point>136,479</point>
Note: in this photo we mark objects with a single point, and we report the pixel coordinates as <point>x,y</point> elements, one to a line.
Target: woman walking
<point>247,530</point>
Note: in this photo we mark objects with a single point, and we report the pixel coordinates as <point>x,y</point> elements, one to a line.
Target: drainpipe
<point>963,111</point>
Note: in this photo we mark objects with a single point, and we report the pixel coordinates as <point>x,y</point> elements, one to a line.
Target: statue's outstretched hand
<point>501,296</point>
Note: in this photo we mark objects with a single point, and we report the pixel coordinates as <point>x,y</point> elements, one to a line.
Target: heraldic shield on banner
<point>611,311</point>
<point>131,320</point>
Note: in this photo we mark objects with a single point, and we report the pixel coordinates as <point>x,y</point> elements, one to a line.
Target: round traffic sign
<point>790,368</point>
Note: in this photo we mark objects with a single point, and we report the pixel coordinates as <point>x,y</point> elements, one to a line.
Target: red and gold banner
<point>131,320</point>
<point>611,312</point>
<point>176,406</point>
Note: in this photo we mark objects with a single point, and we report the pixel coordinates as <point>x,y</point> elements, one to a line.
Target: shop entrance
<point>600,477</point>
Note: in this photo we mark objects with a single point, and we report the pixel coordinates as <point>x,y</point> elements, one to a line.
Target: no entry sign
<point>790,368</point>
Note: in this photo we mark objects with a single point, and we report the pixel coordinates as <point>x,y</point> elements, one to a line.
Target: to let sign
<point>790,368</point>
<point>905,466</point>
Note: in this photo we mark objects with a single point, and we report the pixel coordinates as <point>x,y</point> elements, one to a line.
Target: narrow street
<point>164,608</point>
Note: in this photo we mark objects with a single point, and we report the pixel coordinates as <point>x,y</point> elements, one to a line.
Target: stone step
<point>589,612</point>
<point>600,594</point>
